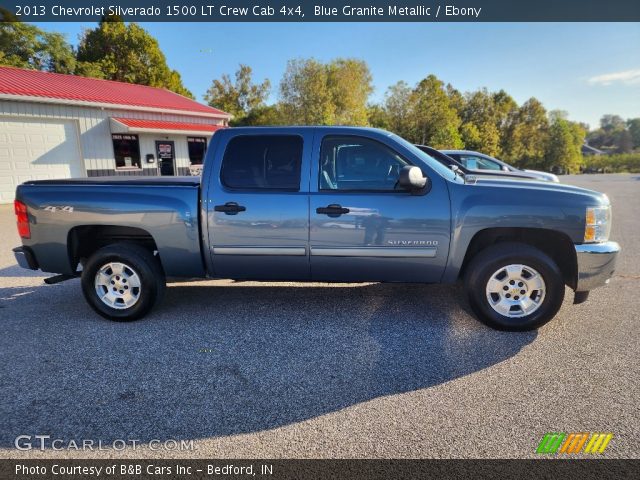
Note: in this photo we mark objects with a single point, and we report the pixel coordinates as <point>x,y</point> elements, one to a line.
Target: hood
<point>539,187</point>
<point>549,176</point>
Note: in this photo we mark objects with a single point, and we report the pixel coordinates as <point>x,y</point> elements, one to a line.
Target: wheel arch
<point>555,244</point>
<point>84,240</point>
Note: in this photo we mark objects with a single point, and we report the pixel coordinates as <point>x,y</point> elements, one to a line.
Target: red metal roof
<point>34,83</point>
<point>137,123</point>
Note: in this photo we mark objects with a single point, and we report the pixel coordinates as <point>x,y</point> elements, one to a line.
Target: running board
<point>60,278</point>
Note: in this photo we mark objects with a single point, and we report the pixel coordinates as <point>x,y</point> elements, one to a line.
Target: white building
<point>61,126</point>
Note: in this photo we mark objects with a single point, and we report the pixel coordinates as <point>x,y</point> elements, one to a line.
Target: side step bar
<point>60,278</point>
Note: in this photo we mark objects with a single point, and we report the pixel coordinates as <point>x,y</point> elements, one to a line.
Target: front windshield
<point>426,158</point>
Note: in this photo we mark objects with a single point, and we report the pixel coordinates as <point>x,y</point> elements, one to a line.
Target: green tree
<point>239,97</point>
<point>261,116</point>
<point>335,93</point>
<point>564,145</point>
<point>398,108</point>
<point>482,110</point>
<point>612,136</point>
<point>525,138</point>
<point>126,53</point>
<point>434,121</point>
<point>624,142</point>
<point>27,46</point>
<point>455,98</point>
<point>471,137</point>
<point>633,124</point>
<point>349,81</point>
<point>612,122</point>
<point>305,98</point>
<point>377,116</point>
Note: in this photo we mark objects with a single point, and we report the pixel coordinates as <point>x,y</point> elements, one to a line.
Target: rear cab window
<point>262,162</point>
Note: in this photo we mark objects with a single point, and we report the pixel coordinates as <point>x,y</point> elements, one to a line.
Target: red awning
<point>124,125</point>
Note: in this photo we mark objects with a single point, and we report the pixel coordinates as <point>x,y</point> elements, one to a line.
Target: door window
<point>270,162</point>
<point>358,164</point>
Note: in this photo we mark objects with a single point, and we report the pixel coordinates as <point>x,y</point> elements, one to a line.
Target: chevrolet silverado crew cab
<point>325,204</point>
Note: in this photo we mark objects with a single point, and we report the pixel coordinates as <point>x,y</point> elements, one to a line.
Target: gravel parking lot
<point>282,370</point>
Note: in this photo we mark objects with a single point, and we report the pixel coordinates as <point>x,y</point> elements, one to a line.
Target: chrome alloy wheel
<point>515,291</point>
<point>117,285</point>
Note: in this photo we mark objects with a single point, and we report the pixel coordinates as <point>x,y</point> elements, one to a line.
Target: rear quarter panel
<point>168,213</point>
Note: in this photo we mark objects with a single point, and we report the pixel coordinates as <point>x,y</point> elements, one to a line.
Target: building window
<point>126,149</point>
<point>197,149</point>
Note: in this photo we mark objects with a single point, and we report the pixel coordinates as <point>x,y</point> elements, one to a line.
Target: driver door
<point>363,226</point>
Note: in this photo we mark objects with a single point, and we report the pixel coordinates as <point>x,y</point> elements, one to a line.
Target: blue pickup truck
<point>327,204</point>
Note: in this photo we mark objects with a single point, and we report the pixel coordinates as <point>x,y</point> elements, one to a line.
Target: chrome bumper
<point>596,263</point>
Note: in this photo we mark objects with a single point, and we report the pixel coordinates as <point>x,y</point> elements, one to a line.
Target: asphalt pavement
<point>312,370</point>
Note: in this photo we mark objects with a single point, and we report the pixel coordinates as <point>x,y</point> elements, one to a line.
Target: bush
<point>622,163</point>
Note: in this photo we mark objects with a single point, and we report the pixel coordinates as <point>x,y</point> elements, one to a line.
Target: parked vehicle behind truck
<point>334,204</point>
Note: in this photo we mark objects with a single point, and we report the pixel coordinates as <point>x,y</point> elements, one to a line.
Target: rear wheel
<point>514,286</point>
<point>122,282</point>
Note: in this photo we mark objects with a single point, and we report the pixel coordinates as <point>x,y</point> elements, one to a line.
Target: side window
<point>270,162</point>
<point>358,163</point>
<point>479,163</point>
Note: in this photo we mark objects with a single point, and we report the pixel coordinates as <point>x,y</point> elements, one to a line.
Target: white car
<point>479,162</point>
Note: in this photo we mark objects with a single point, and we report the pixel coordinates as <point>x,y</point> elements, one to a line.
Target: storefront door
<point>165,150</point>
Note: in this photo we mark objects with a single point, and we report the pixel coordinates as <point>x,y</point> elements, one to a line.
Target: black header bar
<point>324,10</point>
<point>318,469</point>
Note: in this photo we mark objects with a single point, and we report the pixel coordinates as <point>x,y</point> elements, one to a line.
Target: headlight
<point>598,224</point>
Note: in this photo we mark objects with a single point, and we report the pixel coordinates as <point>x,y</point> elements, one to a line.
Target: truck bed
<point>117,180</point>
<point>68,213</point>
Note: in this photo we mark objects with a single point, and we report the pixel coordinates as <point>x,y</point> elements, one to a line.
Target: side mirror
<point>412,179</point>
<point>505,168</point>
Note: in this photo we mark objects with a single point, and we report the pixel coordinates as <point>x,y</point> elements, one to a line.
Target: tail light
<point>24,230</point>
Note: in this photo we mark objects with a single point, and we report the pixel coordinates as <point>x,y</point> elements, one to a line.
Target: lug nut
<point>505,288</point>
<point>520,284</point>
<point>522,292</point>
<point>516,297</point>
<point>508,295</point>
<point>512,282</point>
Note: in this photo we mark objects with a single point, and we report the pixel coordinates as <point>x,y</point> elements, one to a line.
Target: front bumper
<point>596,264</point>
<point>25,258</point>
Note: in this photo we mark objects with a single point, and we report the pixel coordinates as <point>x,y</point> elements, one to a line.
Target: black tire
<point>137,260</point>
<point>481,269</point>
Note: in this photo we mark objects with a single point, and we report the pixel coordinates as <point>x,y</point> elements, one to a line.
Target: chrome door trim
<point>282,251</point>
<point>388,252</point>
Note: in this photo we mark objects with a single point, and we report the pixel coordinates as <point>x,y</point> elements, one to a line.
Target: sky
<point>586,69</point>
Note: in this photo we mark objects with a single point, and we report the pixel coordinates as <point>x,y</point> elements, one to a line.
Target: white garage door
<point>34,149</point>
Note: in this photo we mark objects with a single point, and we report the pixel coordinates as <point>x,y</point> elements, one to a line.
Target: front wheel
<point>514,286</point>
<point>122,282</point>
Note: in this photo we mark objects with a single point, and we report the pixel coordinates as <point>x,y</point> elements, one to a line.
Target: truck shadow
<point>217,361</point>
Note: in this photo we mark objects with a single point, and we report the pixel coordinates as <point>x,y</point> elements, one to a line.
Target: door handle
<point>333,210</point>
<point>229,208</point>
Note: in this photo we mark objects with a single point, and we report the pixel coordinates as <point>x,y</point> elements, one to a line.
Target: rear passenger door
<point>258,212</point>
